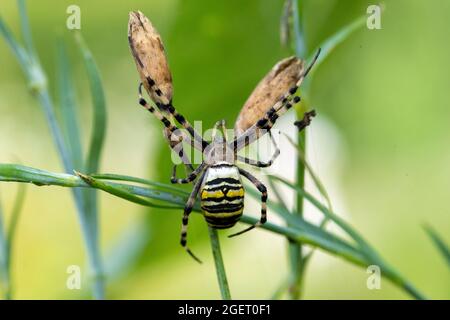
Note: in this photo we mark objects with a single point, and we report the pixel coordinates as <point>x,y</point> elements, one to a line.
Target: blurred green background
<point>384,92</point>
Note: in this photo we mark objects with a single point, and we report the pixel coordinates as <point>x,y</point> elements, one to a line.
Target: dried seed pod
<point>149,55</point>
<point>270,89</point>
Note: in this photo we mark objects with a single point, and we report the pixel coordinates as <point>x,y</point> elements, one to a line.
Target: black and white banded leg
<point>169,130</point>
<point>167,106</point>
<point>261,188</point>
<point>176,145</point>
<point>187,211</point>
<point>286,102</point>
<point>197,141</point>
<point>261,164</point>
<point>191,177</point>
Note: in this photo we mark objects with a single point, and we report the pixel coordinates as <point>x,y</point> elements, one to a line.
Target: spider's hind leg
<point>261,188</point>
<point>187,211</point>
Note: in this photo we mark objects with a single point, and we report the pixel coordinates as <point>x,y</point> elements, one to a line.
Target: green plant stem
<point>37,81</point>
<point>439,243</point>
<point>296,254</point>
<point>361,255</point>
<point>220,267</point>
<point>7,241</point>
<point>4,271</point>
<point>88,221</point>
<point>296,249</point>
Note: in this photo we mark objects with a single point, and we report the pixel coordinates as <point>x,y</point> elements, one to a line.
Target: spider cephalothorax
<point>218,179</point>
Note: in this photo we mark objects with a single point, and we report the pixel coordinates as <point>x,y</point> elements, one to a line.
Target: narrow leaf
<point>17,50</point>
<point>10,172</point>
<point>117,177</point>
<point>99,107</point>
<point>17,209</point>
<point>220,267</point>
<point>4,277</point>
<point>68,106</point>
<point>368,251</point>
<point>438,242</point>
<point>121,192</point>
<point>25,27</point>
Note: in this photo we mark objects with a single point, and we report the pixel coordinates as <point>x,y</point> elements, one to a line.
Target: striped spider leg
<point>263,126</point>
<point>171,132</point>
<point>220,187</point>
<point>187,211</point>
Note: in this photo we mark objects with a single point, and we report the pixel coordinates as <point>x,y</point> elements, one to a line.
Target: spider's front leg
<point>261,188</point>
<point>176,145</point>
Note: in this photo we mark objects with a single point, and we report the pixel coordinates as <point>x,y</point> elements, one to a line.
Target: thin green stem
<point>85,202</point>
<point>298,232</point>
<point>220,267</point>
<point>296,255</point>
<point>4,272</point>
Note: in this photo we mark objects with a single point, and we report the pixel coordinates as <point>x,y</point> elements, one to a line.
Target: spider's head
<point>218,151</point>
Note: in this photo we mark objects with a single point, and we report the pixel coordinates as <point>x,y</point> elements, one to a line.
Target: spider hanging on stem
<point>218,179</point>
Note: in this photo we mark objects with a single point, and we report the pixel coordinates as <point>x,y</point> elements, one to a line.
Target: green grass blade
<point>85,204</point>
<point>274,189</point>
<point>4,274</point>
<point>15,215</point>
<point>329,214</point>
<point>10,172</point>
<point>37,80</point>
<point>68,106</point>
<point>121,192</point>
<point>97,137</point>
<point>299,223</point>
<point>99,107</point>
<point>220,267</point>
<point>331,244</point>
<point>438,242</point>
<point>17,209</point>
<point>126,250</point>
<point>299,47</point>
<point>17,50</point>
<point>117,177</point>
<point>25,27</point>
<point>317,182</point>
<point>298,26</point>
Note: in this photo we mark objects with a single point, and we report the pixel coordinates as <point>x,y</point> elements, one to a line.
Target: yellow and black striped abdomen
<point>222,197</point>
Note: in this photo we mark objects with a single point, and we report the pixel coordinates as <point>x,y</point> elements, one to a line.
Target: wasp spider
<point>218,179</point>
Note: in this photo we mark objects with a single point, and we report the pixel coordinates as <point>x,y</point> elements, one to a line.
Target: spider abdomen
<point>222,196</point>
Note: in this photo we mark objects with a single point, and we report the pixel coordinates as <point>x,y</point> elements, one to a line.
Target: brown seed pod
<point>149,55</point>
<point>270,89</point>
